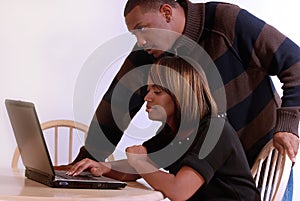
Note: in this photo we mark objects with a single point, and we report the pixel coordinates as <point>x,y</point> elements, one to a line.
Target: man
<point>246,52</point>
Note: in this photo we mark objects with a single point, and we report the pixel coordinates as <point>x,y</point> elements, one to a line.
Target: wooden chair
<point>271,172</point>
<point>56,126</point>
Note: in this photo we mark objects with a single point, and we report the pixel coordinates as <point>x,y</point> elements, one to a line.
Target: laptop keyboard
<point>82,176</point>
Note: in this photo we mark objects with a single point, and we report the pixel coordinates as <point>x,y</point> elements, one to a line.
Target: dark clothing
<point>246,51</point>
<point>219,159</point>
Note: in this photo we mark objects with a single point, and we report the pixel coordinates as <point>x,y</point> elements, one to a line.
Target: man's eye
<point>138,30</point>
<point>142,29</point>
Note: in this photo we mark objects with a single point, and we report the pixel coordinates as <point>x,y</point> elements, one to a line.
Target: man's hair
<point>147,5</point>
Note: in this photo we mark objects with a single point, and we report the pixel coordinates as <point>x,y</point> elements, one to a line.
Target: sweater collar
<point>193,26</point>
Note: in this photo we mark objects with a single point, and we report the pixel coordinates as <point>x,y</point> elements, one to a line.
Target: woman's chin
<point>155,117</point>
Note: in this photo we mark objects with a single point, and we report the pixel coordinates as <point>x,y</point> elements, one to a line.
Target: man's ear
<point>166,11</point>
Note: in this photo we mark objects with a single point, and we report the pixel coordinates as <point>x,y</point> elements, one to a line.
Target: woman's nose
<point>148,97</point>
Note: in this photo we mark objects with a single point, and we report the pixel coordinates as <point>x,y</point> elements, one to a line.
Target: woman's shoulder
<point>217,127</point>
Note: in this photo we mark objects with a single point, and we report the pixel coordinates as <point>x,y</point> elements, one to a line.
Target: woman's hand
<point>136,153</point>
<point>96,168</point>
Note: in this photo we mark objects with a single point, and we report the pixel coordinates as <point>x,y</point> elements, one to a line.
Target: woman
<point>201,151</point>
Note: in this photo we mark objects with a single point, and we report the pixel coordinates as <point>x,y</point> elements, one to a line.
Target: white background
<point>45,43</point>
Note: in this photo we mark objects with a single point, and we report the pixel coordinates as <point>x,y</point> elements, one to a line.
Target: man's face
<point>154,34</point>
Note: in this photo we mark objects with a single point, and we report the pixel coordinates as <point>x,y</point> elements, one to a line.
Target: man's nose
<point>141,42</point>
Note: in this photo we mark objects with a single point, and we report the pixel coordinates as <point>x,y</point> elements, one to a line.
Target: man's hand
<point>96,168</point>
<point>136,153</point>
<point>288,142</point>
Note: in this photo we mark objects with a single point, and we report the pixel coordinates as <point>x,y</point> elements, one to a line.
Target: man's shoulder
<point>222,8</point>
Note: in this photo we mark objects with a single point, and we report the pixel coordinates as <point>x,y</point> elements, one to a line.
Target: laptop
<point>35,155</point>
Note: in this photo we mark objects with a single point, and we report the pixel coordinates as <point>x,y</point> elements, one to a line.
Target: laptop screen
<point>29,136</point>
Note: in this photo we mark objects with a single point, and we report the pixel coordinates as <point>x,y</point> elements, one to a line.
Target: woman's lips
<point>148,108</point>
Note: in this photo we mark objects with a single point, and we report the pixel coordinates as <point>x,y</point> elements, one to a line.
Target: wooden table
<point>14,186</point>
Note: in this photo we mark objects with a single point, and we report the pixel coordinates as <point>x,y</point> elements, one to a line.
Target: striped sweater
<point>246,52</point>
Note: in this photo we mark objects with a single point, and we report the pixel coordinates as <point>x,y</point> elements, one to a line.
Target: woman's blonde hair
<point>185,80</point>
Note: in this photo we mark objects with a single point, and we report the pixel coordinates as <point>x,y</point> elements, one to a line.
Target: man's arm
<point>278,56</point>
<point>114,113</point>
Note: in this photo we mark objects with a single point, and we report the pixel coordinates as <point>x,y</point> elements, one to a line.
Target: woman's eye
<point>157,92</point>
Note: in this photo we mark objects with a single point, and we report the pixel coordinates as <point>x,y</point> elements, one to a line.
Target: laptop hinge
<point>39,177</point>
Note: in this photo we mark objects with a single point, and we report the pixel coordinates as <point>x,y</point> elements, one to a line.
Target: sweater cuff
<point>286,121</point>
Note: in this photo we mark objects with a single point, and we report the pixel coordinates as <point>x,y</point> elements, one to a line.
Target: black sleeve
<point>212,150</point>
<point>114,113</point>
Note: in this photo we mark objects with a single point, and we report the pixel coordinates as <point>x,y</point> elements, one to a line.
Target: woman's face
<point>160,105</point>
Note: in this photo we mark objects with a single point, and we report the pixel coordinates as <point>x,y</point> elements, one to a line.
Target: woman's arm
<point>176,187</point>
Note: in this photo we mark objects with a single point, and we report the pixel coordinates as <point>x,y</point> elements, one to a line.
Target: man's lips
<point>149,50</point>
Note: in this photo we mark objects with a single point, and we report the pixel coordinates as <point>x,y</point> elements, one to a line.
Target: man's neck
<point>180,19</point>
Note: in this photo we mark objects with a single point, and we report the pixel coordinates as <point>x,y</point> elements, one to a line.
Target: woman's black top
<point>214,151</point>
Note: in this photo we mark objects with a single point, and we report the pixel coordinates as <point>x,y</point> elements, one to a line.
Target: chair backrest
<point>271,172</point>
<point>56,125</point>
